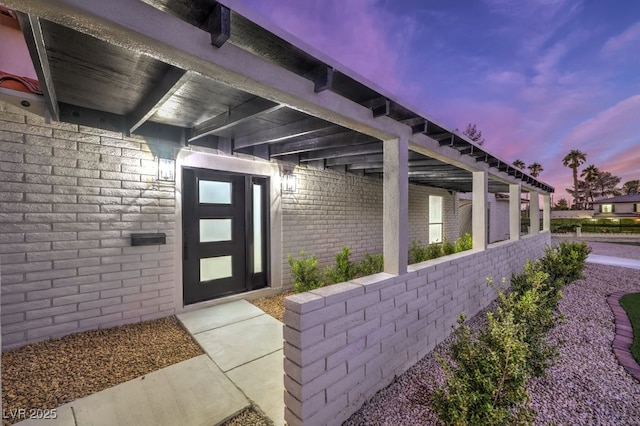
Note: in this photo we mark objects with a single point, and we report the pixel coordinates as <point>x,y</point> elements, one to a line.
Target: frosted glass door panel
<point>214,192</point>
<point>212,230</point>
<point>214,268</point>
<point>257,229</point>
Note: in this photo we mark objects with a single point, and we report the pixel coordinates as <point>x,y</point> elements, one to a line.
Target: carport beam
<point>395,205</point>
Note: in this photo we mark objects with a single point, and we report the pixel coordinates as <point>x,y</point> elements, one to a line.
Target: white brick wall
<point>345,342</point>
<point>331,210</point>
<point>498,217</point>
<point>70,198</point>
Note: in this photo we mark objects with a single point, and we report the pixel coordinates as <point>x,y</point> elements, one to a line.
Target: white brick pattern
<point>70,198</point>
<point>345,342</point>
<point>331,210</point>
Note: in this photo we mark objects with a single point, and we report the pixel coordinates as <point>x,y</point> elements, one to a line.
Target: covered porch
<point>139,84</point>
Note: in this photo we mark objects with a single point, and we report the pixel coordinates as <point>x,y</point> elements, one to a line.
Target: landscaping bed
<point>585,385</point>
<point>48,374</point>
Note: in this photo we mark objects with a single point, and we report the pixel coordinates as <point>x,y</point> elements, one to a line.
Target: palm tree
<point>535,169</point>
<point>574,159</point>
<point>519,164</point>
<point>590,175</point>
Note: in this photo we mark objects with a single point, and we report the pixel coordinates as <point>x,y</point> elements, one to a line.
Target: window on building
<point>606,208</point>
<point>435,219</point>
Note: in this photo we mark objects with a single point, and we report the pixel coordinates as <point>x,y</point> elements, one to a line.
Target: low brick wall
<point>345,342</point>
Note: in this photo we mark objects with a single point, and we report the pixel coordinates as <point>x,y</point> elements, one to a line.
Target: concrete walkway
<point>614,261</point>
<point>246,344</point>
<point>243,364</point>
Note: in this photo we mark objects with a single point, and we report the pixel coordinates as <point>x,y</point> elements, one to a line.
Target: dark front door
<point>224,221</point>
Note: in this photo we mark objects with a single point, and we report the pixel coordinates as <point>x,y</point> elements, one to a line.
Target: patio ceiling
<point>95,83</point>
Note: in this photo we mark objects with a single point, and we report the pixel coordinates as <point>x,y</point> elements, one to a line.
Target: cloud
<point>608,132</point>
<point>534,21</point>
<point>359,34</point>
<point>628,39</point>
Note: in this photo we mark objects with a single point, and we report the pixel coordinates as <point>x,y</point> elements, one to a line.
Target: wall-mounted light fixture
<point>166,170</point>
<point>289,183</point>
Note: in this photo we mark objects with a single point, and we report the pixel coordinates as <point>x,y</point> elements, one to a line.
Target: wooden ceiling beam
<point>249,110</point>
<point>364,149</point>
<point>337,140</point>
<point>33,36</point>
<point>169,84</point>
<point>308,126</point>
<point>219,25</point>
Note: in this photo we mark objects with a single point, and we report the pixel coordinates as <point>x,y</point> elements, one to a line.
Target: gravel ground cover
<point>273,305</point>
<point>586,386</point>
<point>252,416</point>
<point>51,373</point>
<point>48,374</point>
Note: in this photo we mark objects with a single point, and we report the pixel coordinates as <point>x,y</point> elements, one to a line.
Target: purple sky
<point>538,77</point>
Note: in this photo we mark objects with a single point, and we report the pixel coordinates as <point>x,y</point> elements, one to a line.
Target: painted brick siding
<point>70,198</point>
<point>345,342</point>
<point>331,210</point>
<point>498,216</point>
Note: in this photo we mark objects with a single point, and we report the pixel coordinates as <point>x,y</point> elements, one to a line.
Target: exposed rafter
<point>116,123</point>
<point>337,140</point>
<point>308,126</point>
<point>321,154</point>
<point>34,38</point>
<point>382,109</point>
<point>322,78</point>
<point>354,159</point>
<point>254,108</point>
<point>219,25</point>
<point>170,83</point>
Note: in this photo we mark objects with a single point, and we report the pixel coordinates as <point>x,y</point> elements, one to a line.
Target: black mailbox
<point>148,239</point>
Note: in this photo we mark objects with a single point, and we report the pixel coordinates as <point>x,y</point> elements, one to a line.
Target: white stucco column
<point>396,205</point>
<point>479,206</point>
<point>515,194</point>
<point>546,212</point>
<point>534,212</point>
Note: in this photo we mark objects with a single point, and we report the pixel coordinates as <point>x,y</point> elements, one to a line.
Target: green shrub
<point>531,277</point>
<point>343,270</point>
<point>565,262</point>
<point>533,307</point>
<point>305,272</point>
<point>486,380</point>
<point>485,384</point>
<point>417,252</point>
<point>370,264</point>
<point>464,243</point>
<point>434,251</point>
<point>448,247</point>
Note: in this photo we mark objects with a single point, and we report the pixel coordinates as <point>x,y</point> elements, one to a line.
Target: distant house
<point>621,206</point>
